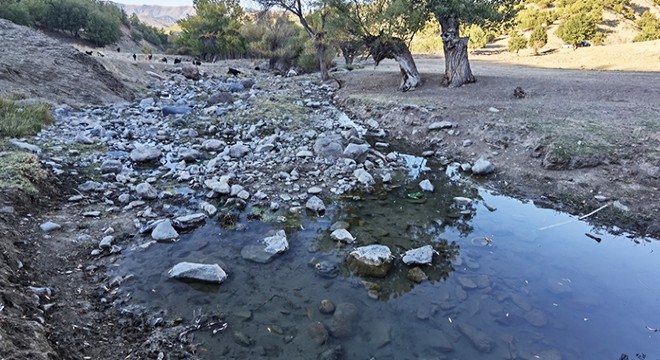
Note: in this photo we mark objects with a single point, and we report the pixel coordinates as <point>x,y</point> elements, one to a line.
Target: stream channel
<point>509,280</point>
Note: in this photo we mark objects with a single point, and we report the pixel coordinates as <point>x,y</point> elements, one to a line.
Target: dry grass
<point>18,121</point>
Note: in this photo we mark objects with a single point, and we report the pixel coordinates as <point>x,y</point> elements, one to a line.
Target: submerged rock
<point>267,249</point>
<point>371,260</point>
<point>481,341</point>
<point>342,235</point>
<point>211,273</point>
<point>316,205</point>
<point>189,221</point>
<point>343,320</point>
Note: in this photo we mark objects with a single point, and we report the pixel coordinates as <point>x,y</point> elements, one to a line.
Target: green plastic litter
<point>416,196</point>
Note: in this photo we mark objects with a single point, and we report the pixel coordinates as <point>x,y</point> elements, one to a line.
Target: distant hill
<point>159,16</point>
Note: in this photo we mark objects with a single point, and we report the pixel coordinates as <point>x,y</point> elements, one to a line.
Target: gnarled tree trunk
<point>398,50</point>
<point>457,65</point>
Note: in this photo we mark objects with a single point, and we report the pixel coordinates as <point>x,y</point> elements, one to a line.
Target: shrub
<point>577,28</point>
<point>478,37</point>
<point>16,12</point>
<point>22,121</point>
<point>650,27</point>
<point>516,43</point>
<point>103,29</point>
<point>599,39</point>
<point>538,39</point>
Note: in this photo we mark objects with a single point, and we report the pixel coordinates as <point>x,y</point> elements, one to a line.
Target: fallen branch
<point>580,218</point>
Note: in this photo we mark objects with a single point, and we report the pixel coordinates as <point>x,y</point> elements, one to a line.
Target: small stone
<point>478,338</point>
<point>164,231</point>
<point>342,235</point>
<point>426,185</point>
<point>146,191</point>
<point>371,260</point>
<point>106,242</point>
<point>440,125</point>
<point>49,226</point>
<point>326,307</point>
<point>536,318</point>
<point>318,332</point>
<point>467,142</point>
<point>493,110</point>
<point>314,190</point>
<point>210,273</point>
<point>416,275</point>
<point>483,167</point>
<point>601,198</point>
<point>111,167</point>
<point>315,205</point>
<point>189,221</point>
<point>145,153</point>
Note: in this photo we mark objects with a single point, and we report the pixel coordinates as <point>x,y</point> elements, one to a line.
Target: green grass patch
<point>20,170</point>
<point>18,121</point>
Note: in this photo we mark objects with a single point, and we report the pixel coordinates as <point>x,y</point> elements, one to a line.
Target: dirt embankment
<point>33,65</point>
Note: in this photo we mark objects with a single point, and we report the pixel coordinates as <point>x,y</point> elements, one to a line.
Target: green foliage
<point>213,31</point>
<point>531,18</point>
<point>16,12</point>
<point>577,28</point>
<point>478,36</point>
<point>22,121</point>
<point>103,28</point>
<point>650,27</point>
<point>136,36</point>
<point>473,11</point>
<point>428,40</point>
<point>516,42</point>
<point>538,38</point>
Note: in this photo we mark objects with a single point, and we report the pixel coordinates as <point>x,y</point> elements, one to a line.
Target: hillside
<point>159,16</point>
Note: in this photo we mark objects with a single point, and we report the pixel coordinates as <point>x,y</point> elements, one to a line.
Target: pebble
<point>326,307</point>
<point>49,226</point>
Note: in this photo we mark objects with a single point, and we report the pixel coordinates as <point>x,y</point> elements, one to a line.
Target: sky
<point>245,3</point>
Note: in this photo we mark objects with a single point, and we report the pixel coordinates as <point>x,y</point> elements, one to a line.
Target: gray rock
<point>106,242</point>
<point>189,154</point>
<point>478,338</point>
<point>343,320</point>
<point>342,235</point>
<point>88,186</point>
<point>190,71</point>
<point>49,226</point>
<point>462,201</point>
<point>440,125</point>
<point>176,110</point>
<point>328,146</point>
<point>82,138</point>
<point>25,146</point>
<point>314,190</point>
<point>145,153</point>
<point>267,249</point>
<point>146,191</point>
<point>220,98</point>
<point>111,167</point>
<point>189,221</point>
<point>355,151</point>
<point>536,318</point>
<point>304,154</point>
<point>426,185</point>
<point>210,273</point>
<point>483,167</point>
<point>213,145</point>
<point>235,189</point>
<point>147,102</point>
<point>422,256</point>
<point>164,231</point>
<point>315,204</point>
<point>363,177</point>
<point>219,187</point>
<point>243,194</point>
<point>238,150</point>
<point>371,260</point>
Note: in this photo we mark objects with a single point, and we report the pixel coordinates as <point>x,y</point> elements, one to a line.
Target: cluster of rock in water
<point>214,145</point>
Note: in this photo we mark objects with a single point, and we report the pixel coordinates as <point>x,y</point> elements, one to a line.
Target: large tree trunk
<point>398,50</point>
<point>320,53</point>
<point>457,65</point>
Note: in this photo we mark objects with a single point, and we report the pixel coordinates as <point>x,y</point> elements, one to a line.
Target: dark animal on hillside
<point>519,93</point>
<point>90,53</point>
<point>164,60</point>
<point>197,62</point>
<point>150,57</point>
<point>118,49</point>
<point>234,72</point>
<point>134,57</point>
<point>177,60</point>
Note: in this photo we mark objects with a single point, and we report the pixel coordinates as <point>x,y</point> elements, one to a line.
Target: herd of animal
<point>177,60</point>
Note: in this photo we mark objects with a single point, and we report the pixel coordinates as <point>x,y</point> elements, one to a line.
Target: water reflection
<point>502,285</point>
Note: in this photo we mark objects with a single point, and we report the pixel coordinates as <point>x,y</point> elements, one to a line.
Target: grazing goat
<point>177,60</point>
<point>164,60</point>
<point>134,57</point>
<point>150,57</point>
<point>197,62</point>
<point>90,53</point>
<point>234,72</point>
<point>118,49</point>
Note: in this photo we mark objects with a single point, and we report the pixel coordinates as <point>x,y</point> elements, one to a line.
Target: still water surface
<point>514,286</point>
